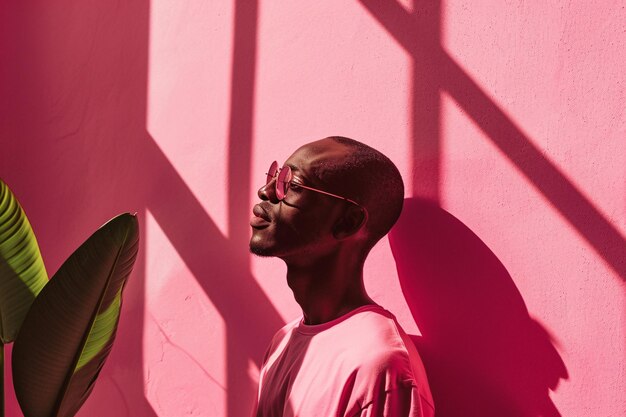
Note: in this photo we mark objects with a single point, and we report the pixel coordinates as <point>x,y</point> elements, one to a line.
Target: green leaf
<point>22,271</point>
<point>70,328</point>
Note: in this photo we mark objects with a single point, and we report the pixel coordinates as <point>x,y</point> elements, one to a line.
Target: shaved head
<point>365,175</point>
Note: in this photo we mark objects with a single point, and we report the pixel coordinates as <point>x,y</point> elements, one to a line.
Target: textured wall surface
<point>506,120</point>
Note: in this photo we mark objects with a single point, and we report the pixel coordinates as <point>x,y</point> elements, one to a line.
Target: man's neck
<point>328,287</point>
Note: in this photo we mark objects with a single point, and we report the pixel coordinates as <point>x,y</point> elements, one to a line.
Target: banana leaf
<point>22,271</point>
<point>70,328</point>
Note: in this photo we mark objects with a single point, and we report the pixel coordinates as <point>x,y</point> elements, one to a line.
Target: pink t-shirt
<point>360,364</point>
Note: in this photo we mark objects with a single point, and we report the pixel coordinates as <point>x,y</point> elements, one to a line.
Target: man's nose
<point>268,192</point>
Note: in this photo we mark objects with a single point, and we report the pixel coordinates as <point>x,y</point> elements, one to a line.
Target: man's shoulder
<point>392,357</point>
<point>373,337</point>
<point>384,345</point>
<point>378,330</point>
<point>285,331</point>
<point>389,357</point>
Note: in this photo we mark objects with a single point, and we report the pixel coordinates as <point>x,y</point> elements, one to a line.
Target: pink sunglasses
<point>283,183</point>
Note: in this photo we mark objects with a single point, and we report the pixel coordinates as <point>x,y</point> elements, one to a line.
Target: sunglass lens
<point>271,172</point>
<point>282,183</point>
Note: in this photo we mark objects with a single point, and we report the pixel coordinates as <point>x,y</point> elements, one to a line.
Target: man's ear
<point>352,220</point>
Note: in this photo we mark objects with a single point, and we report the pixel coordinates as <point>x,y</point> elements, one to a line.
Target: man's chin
<point>260,245</point>
<point>260,252</point>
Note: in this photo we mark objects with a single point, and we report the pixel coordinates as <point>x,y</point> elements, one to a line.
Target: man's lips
<point>259,211</point>
<point>261,218</point>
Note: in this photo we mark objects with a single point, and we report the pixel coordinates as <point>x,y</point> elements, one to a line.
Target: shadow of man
<point>484,355</point>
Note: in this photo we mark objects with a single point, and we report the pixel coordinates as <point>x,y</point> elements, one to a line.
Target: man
<point>321,213</point>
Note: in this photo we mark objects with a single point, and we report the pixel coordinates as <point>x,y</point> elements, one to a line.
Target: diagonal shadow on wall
<point>79,124</point>
<point>220,266</point>
<point>434,71</point>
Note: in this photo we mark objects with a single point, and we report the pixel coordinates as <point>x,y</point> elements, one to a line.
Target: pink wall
<point>508,117</point>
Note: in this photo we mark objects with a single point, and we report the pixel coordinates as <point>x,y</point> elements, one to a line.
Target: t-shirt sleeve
<point>402,401</point>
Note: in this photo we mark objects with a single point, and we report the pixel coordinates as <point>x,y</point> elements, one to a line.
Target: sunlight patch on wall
<point>550,91</point>
<point>183,340</point>
<point>189,95</point>
<point>342,77</point>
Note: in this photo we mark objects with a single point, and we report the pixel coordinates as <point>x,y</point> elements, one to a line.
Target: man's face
<point>301,225</point>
